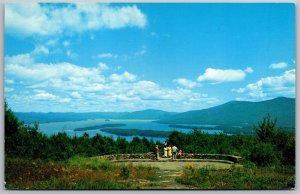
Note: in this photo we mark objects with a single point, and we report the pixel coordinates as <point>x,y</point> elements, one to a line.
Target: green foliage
<point>124,172</point>
<point>136,132</point>
<point>89,163</point>
<point>270,146</point>
<point>239,178</point>
<point>264,154</point>
<point>76,173</point>
<point>265,131</point>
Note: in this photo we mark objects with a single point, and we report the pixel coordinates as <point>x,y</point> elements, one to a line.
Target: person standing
<point>169,151</point>
<point>157,152</point>
<point>179,153</point>
<point>174,152</point>
<point>165,152</point>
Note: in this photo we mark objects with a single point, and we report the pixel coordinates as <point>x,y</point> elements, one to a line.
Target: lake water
<point>69,126</point>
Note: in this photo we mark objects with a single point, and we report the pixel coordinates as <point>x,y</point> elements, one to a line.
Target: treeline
<point>270,145</point>
<point>137,132</point>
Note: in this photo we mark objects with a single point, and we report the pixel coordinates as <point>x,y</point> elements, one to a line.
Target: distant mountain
<point>240,113</point>
<point>31,117</point>
<point>149,114</point>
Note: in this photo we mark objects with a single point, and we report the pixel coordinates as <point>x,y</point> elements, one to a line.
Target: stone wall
<point>151,156</point>
<point>235,159</point>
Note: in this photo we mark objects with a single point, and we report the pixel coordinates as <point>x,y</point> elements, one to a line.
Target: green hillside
<point>149,114</point>
<point>240,113</point>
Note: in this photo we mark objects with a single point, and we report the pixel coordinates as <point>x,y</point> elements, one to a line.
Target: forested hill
<point>31,117</point>
<point>148,114</point>
<point>240,113</point>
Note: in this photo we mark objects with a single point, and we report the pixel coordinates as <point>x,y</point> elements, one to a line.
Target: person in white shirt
<point>165,152</point>
<point>174,152</point>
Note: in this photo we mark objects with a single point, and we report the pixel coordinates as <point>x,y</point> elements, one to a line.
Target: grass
<point>96,173</point>
<point>75,173</point>
<point>249,177</point>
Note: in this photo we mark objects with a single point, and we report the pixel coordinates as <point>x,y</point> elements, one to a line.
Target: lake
<point>69,126</point>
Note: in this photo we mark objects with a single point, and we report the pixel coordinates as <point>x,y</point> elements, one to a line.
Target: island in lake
<point>99,126</point>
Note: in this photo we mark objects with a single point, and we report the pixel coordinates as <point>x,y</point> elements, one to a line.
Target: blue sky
<point>128,57</point>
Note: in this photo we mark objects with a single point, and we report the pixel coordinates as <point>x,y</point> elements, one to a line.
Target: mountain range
<point>234,113</point>
<point>240,113</point>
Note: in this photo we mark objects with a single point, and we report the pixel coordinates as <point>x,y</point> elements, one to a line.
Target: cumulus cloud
<point>122,77</point>
<point>50,97</point>
<point>41,71</point>
<point>34,19</point>
<point>281,65</point>
<point>224,75</point>
<point>24,59</point>
<point>186,83</point>
<point>27,58</point>
<point>86,89</point>
<point>283,85</point>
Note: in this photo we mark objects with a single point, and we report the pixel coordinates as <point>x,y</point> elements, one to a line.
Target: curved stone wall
<point>151,156</point>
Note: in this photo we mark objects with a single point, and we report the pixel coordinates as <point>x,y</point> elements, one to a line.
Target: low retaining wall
<point>185,156</point>
<point>149,156</point>
<point>235,159</point>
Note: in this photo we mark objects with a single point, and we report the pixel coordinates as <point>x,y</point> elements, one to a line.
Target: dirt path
<point>168,171</point>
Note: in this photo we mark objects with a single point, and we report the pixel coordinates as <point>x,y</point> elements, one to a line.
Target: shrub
<point>264,154</point>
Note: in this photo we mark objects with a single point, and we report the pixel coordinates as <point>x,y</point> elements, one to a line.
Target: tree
<point>266,130</point>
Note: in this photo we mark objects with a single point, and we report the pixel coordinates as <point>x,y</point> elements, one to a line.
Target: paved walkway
<point>169,170</point>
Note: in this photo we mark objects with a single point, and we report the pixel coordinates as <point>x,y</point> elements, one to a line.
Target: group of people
<point>169,151</point>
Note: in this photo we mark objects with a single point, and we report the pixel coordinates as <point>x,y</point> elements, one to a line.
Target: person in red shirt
<point>179,153</point>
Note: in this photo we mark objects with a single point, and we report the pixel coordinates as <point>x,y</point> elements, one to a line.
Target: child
<point>179,153</point>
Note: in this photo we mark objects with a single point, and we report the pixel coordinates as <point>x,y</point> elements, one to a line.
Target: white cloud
<point>33,19</point>
<point>25,59</point>
<point>107,55</point>
<point>71,54</point>
<point>28,69</point>
<point>281,65</point>
<point>46,86</point>
<point>141,52</point>
<point>223,75</point>
<point>52,42</point>
<point>248,70</point>
<point>45,96</point>
<point>283,85</point>
<point>9,81</point>
<point>40,49</point>
<point>102,66</point>
<point>50,97</point>
<point>75,95</point>
<point>186,83</point>
<point>122,77</point>
<point>7,89</point>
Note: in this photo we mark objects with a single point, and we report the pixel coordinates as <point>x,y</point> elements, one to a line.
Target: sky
<point>133,56</point>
